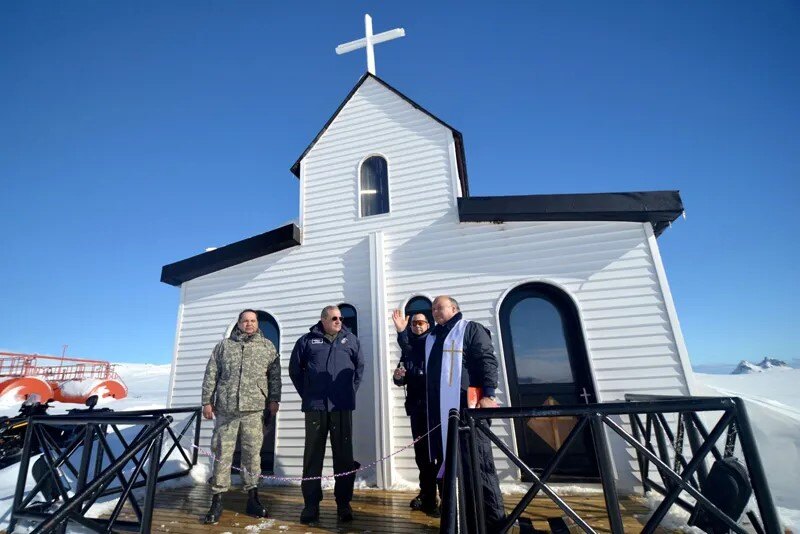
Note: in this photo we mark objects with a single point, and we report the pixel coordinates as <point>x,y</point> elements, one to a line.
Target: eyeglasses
<point>335,319</point>
<point>419,323</point>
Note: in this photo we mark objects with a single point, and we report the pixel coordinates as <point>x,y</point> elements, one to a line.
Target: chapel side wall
<point>606,267</point>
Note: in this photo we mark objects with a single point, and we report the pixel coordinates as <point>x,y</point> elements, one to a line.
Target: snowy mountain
<point>745,367</point>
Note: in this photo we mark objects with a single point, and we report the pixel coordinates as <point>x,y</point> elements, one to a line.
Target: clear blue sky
<point>135,134</point>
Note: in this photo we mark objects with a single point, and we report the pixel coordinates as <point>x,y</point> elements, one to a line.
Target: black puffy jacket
<point>327,374</point>
<point>412,357</point>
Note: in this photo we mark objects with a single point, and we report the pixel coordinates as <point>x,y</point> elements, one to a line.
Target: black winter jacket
<point>325,374</point>
<point>413,359</point>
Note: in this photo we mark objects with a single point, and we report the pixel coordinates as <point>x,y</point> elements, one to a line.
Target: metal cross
<point>452,350</point>
<point>585,396</point>
<point>369,41</point>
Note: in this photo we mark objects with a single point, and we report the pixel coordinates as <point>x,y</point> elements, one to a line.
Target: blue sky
<point>135,134</point>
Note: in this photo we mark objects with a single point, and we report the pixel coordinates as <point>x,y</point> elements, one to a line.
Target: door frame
<point>510,373</point>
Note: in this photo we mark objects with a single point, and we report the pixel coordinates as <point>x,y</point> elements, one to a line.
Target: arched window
<point>349,317</point>
<point>547,364</point>
<point>374,190</point>
<point>269,327</point>
<point>420,305</point>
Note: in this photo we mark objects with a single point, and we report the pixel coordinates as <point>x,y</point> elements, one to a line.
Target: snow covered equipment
<point>728,488</point>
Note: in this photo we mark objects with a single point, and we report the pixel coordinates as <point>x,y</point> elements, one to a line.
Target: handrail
<point>601,419</point>
<point>99,466</point>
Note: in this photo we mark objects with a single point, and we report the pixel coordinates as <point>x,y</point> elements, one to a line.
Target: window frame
<point>355,312</point>
<point>388,186</point>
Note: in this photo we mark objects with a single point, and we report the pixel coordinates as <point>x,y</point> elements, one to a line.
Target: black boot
<point>254,506</point>
<point>215,512</point>
<point>310,514</point>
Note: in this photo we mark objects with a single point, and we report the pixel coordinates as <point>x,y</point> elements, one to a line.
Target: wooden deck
<point>179,511</point>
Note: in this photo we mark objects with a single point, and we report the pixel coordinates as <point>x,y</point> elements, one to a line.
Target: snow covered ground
<point>772,398</point>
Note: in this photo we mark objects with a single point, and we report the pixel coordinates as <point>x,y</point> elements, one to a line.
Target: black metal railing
<point>688,477</point>
<point>101,454</point>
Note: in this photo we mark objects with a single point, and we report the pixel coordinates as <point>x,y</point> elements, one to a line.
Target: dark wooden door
<point>547,365</point>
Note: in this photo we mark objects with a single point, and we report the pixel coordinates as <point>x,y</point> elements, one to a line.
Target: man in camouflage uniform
<point>242,374</point>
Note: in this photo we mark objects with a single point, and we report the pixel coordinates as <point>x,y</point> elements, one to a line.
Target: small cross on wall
<point>369,41</point>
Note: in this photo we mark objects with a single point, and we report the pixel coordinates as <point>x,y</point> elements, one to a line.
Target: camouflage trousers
<point>223,443</point>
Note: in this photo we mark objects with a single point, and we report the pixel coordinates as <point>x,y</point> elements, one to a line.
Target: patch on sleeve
<point>344,340</point>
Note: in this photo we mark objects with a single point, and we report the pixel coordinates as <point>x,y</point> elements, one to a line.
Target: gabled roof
<point>461,161</point>
<point>245,250</point>
<point>659,208</point>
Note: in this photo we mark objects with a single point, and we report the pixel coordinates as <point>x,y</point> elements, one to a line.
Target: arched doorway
<point>547,364</point>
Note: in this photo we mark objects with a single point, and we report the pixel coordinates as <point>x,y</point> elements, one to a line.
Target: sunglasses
<point>419,323</point>
<point>335,319</point>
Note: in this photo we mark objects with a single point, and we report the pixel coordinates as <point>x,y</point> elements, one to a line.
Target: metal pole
<point>758,477</point>
<point>607,476</point>
<point>694,445</point>
<point>22,477</point>
<point>150,494</point>
<point>475,472</point>
<point>197,421</point>
<point>449,521</point>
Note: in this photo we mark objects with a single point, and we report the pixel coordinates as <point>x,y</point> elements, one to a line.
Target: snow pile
<point>80,388</point>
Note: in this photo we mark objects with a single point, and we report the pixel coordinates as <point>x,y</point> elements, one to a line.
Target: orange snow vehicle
<point>66,380</point>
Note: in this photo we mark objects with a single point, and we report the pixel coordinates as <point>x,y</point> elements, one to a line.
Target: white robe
<point>450,380</point>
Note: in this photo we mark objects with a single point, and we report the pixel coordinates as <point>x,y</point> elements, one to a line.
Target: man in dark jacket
<point>459,355</point>
<point>410,373</point>
<point>326,368</point>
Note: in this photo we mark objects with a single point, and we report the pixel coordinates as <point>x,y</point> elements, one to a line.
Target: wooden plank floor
<point>179,511</point>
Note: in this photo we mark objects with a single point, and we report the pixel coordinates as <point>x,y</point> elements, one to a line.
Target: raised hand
<point>400,322</point>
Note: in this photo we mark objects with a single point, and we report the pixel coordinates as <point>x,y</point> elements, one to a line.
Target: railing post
<point>152,478</point>
<point>607,475</point>
<point>476,505</point>
<point>198,419</point>
<point>449,521</point>
<point>758,477</point>
<point>22,478</point>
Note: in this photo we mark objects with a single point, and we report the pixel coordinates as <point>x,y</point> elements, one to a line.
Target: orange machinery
<point>68,380</point>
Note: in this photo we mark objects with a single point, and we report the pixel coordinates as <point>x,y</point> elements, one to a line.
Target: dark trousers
<point>493,510</point>
<point>427,467</point>
<point>340,426</point>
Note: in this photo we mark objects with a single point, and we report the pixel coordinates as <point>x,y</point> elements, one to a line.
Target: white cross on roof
<point>369,41</point>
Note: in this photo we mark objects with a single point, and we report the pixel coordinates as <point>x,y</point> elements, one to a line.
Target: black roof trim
<point>459,139</point>
<point>659,208</point>
<point>245,250</point>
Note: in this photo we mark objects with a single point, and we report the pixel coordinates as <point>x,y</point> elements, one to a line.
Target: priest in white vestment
<point>458,355</point>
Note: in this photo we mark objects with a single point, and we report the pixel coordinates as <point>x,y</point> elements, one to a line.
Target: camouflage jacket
<point>242,374</point>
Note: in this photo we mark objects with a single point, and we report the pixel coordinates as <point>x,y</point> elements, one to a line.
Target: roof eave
<point>281,238</point>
